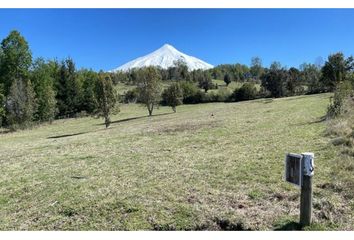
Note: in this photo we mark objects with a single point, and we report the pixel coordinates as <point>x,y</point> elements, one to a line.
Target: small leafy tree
<point>205,81</point>
<point>227,79</point>
<point>256,69</point>
<point>106,98</point>
<point>149,87</point>
<point>21,104</point>
<point>173,96</point>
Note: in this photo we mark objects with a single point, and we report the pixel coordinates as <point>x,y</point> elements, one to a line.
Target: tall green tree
<point>89,79</point>
<point>336,70</point>
<point>149,87</point>
<point>106,98</point>
<point>173,96</point>
<point>16,59</point>
<point>274,80</point>
<point>69,89</point>
<point>43,84</point>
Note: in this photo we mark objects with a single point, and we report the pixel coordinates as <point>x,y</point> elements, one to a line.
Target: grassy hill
<point>209,166</point>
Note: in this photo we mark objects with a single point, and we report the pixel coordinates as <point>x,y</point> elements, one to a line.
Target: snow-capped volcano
<point>165,57</point>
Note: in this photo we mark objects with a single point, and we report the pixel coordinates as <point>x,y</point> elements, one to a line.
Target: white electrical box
<point>308,164</point>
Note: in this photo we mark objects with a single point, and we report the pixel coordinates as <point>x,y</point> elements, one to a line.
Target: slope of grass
<point>209,166</point>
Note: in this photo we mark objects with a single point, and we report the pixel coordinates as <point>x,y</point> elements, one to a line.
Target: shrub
<point>191,93</point>
<point>248,91</point>
<point>335,108</point>
<point>131,96</point>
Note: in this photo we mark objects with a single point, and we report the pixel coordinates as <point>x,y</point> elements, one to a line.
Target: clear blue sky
<point>107,38</point>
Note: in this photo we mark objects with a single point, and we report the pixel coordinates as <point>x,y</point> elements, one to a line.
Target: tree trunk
<point>174,109</point>
<point>150,109</point>
<point>107,121</point>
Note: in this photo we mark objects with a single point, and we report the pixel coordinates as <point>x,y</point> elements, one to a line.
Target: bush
<point>248,91</point>
<point>131,96</point>
<point>191,93</point>
<point>335,108</point>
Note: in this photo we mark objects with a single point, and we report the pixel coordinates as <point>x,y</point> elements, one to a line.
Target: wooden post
<point>306,189</point>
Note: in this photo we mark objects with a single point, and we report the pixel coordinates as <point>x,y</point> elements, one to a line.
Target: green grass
<point>209,166</point>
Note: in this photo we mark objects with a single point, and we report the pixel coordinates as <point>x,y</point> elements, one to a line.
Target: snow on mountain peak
<point>164,57</point>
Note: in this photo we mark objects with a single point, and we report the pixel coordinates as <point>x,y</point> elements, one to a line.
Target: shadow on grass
<point>319,120</point>
<point>134,118</point>
<point>66,135</point>
<point>290,226</point>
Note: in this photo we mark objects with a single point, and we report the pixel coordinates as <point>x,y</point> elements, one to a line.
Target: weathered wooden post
<point>299,170</point>
<point>306,189</point>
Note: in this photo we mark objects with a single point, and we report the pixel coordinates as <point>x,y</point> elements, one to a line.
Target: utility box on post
<point>299,170</point>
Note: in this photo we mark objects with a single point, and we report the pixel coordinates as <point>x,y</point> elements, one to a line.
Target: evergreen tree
<point>106,98</point>
<point>69,89</point>
<point>43,84</point>
<point>88,79</point>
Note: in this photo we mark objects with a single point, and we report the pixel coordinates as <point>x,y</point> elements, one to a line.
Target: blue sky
<point>107,38</point>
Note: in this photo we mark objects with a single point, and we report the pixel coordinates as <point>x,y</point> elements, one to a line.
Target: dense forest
<point>33,91</point>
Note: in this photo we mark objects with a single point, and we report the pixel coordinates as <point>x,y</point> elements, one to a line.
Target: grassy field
<point>208,166</point>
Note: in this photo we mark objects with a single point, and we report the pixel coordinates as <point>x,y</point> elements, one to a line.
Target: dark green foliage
<point>191,93</point>
<point>227,79</point>
<point>131,96</point>
<point>248,91</point>
<point>15,61</point>
<point>88,78</point>
<point>336,70</point>
<point>149,87</point>
<point>173,96</point>
<point>69,89</point>
<point>274,80</point>
<point>293,84</point>
<point>107,98</point>
<point>21,104</point>
<point>43,84</point>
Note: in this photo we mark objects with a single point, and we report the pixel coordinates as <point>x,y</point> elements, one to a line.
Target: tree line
<point>37,90</point>
<point>34,91</point>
